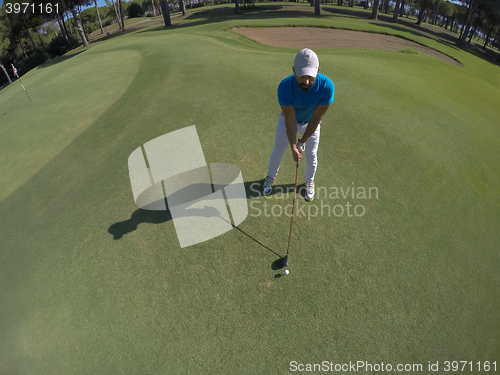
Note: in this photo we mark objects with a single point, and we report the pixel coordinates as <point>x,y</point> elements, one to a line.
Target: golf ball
<point>287,272</point>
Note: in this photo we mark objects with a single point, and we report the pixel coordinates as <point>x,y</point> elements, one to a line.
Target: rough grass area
<point>410,51</point>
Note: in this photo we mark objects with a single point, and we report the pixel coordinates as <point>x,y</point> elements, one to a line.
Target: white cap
<point>306,63</point>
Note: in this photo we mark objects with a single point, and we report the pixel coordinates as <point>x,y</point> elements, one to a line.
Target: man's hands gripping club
<point>291,128</point>
<point>291,132</point>
<point>300,148</point>
<point>297,150</point>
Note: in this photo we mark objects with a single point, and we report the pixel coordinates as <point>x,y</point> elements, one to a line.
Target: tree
<point>410,4</point>
<point>60,20</point>
<point>121,14</point>
<point>72,7</point>
<point>154,8</point>
<point>423,8</point>
<point>471,10</point>
<point>5,72</point>
<point>149,7</point>
<point>436,11</point>
<point>165,10</point>
<point>98,16</point>
<point>4,42</point>
<point>116,13</point>
<point>11,33</point>
<point>385,6</point>
<point>375,9</point>
<point>79,26</point>
<point>492,22</point>
<point>317,9</point>
<point>462,14</point>
<point>486,10</point>
<point>447,10</point>
<point>396,11</point>
<point>50,28</point>
<point>401,8</point>
<point>477,14</point>
<point>21,22</point>
<point>182,7</point>
<point>488,19</point>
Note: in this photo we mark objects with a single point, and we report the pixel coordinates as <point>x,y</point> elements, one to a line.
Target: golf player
<point>304,98</point>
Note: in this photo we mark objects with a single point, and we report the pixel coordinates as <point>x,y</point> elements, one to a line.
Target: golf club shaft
<point>293,207</point>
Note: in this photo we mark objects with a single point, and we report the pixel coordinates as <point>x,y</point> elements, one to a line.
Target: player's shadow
<point>140,216</point>
<point>253,190</point>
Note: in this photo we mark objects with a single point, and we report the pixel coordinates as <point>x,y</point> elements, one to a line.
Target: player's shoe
<point>268,185</point>
<point>309,191</point>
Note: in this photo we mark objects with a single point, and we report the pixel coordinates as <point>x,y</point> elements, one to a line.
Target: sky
<point>100,3</point>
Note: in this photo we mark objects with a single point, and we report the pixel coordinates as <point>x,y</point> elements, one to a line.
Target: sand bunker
<point>318,38</point>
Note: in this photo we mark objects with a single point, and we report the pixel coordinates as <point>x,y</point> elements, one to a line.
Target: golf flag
<point>14,70</point>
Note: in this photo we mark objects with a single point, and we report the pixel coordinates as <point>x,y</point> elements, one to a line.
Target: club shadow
<point>257,241</point>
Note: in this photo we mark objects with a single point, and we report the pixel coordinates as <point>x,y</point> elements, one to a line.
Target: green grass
<point>115,27</point>
<point>64,109</point>
<point>414,280</point>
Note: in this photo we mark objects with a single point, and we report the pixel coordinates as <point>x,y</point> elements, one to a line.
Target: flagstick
<point>14,70</point>
<point>24,88</point>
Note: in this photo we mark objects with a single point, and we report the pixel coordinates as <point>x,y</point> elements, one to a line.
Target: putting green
<point>64,104</point>
<point>90,284</point>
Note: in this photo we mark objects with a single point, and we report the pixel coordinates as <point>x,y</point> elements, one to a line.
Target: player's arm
<point>291,130</point>
<point>316,118</point>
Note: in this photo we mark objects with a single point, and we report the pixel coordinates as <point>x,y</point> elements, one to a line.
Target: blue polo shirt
<point>305,102</point>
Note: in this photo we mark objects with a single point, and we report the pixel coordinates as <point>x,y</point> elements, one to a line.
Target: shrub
<point>410,51</point>
<point>91,27</point>
<point>35,58</point>
<point>135,10</point>
<point>58,46</point>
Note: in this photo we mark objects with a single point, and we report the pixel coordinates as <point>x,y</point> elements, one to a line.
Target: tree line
<point>466,17</point>
<point>481,17</point>
<point>37,30</point>
<point>31,36</point>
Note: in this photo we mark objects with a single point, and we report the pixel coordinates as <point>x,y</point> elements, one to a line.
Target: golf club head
<point>280,263</point>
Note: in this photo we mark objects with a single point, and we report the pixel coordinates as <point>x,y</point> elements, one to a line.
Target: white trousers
<point>281,144</point>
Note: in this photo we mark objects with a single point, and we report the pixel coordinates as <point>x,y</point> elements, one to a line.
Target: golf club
<point>283,262</point>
